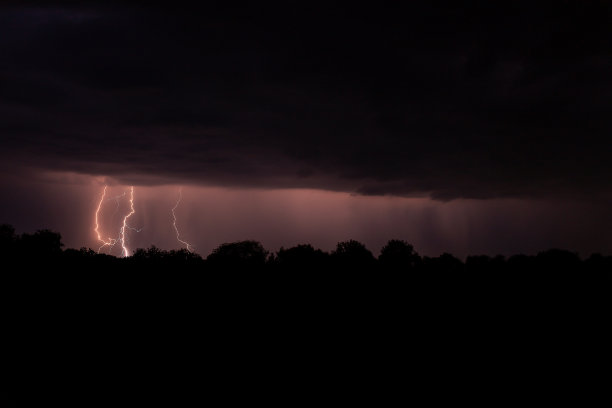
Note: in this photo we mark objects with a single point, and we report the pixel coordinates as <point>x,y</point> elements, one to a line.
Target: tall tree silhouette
<point>398,255</point>
<point>353,255</point>
<point>8,239</point>
<point>45,243</point>
<point>301,257</point>
<point>243,254</point>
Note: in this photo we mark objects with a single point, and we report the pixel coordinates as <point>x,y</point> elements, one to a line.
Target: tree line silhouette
<point>245,302</point>
<point>46,247</point>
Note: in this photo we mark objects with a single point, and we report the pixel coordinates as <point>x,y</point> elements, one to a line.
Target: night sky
<point>477,127</point>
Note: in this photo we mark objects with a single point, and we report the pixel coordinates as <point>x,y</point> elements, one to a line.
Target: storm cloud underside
<point>451,102</point>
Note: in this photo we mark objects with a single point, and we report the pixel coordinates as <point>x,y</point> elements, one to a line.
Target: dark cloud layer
<point>478,100</point>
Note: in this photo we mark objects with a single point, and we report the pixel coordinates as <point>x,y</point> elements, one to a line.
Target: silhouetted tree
<point>478,263</point>
<point>301,257</point>
<point>152,253</point>
<point>243,254</point>
<point>155,259</point>
<point>7,234</point>
<point>444,263</point>
<point>599,263</point>
<point>521,263</point>
<point>558,260</point>
<point>183,255</point>
<point>353,255</point>
<point>44,243</point>
<point>82,253</point>
<point>8,240</point>
<point>398,255</point>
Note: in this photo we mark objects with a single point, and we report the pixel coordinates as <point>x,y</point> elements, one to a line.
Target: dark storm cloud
<point>491,99</point>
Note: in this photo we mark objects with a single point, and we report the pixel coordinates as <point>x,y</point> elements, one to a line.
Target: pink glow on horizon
<point>209,216</point>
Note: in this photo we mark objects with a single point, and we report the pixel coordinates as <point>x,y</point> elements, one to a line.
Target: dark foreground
<point>244,326</point>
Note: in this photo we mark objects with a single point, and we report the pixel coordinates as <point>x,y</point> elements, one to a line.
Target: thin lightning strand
<point>116,199</point>
<point>96,228</point>
<point>126,252</point>
<point>187,244</point>
<point>110,242</point>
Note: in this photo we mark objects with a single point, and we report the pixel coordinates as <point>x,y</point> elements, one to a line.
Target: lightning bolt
<point>178,235</point>
<point>126,252</point>
<point>110,242</point>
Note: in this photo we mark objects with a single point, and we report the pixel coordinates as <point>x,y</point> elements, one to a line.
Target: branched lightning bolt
<point>178,235</point>
<point>109,242</point>
<point>126,252</point>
